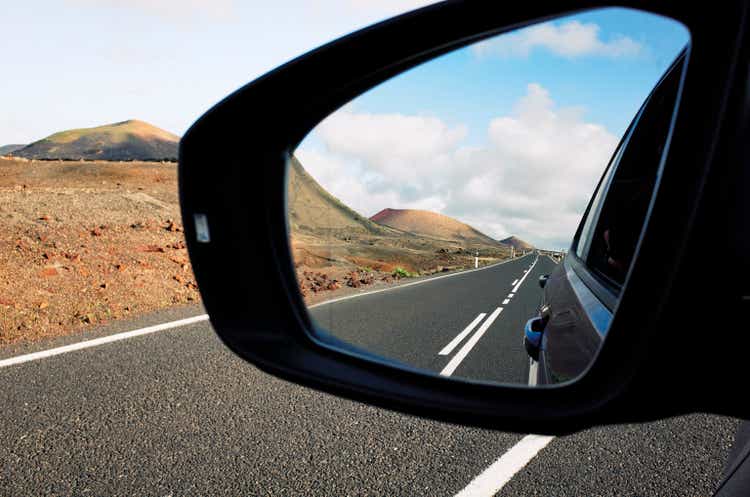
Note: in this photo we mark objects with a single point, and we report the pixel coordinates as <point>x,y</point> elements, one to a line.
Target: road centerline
<point>464,351</point>
<point>406,285</point>
<point>459,338</point>
<point>528,272</point>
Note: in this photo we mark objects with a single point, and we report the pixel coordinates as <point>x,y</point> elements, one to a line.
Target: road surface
<point>422,325</point>
<point>175,413</point>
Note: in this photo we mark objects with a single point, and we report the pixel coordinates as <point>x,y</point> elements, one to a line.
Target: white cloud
<point>394,145</point>
<point>532,179</point>
<point>569,39</point>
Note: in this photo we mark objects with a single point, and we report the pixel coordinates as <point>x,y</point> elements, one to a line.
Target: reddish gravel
<point>84,243</point>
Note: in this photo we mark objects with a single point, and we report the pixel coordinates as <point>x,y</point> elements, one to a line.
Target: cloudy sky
<point>76,63</point>
<point>508,135</point>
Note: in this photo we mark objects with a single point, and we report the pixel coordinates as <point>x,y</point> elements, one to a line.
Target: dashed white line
<point>100,341</point>
<point>492,479</point>
<point>514,282</point>
<point>528,272</point>
<point>505,302</point>
<point>459,338</point>
<point>464,351</point>
<point>511,295</point>
<point>405,285</point>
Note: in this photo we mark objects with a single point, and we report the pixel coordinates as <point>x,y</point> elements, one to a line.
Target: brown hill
<point>124,141</point>
<point>431,224</point>
<point>313,210</point>
<point>9,149</point>
<point>517,243</point>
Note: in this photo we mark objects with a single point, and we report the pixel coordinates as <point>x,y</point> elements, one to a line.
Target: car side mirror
<point>235,167</point>
<point>532,337</point>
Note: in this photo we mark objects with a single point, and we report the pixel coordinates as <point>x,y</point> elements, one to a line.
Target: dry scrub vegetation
<point>87,242</point>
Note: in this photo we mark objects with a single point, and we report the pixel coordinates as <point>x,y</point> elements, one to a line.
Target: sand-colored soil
<point>83,243</point>
<point>331,265</point>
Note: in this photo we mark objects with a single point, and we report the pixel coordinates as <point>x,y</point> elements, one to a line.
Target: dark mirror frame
<point>245,271</point>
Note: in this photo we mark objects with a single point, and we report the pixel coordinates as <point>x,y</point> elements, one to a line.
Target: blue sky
<point>509,135</point>
<point>77,63</point>
<point>464,88</point>
<point>471,134</point>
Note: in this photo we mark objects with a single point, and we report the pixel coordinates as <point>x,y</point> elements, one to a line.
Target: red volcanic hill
<point>516,243</point>
<point>431,224</point>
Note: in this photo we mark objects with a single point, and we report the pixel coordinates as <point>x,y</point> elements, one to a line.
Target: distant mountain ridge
<point>8,149</point>
<point>431,224</point>
<point>122,141</point>
<point>313,209</point>
<point>517,243</point>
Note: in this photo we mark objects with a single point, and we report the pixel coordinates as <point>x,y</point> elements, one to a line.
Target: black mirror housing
<point>237,197</point>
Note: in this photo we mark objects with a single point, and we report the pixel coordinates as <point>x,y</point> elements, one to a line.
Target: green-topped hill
<point>123,141</point>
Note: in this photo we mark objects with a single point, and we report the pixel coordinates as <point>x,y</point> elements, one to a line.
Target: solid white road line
<point>459,338</point>
<point>100,341</point>
<point>515,288</point>
<point>505,302</point>
<point>464,351</point>
<point>533,372</point>
<point>418,282</point>
<point>492,479</point>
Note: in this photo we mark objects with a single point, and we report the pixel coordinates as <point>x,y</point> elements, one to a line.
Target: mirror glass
<point>476,216</point>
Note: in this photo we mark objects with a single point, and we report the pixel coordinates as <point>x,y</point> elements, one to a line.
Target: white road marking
<point>514,282</point>
<point>533,372</point>
<point>464,351</point>
<point>492,479</point>
<point>515,288</point>
<point>100,341</point>
<point>459,338</point>
<point>511,295</point>
<point>505,302</point>
<point>418,282</point>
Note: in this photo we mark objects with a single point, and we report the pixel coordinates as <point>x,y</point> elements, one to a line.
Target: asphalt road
<point>412,324</point>
<point>175,413</point>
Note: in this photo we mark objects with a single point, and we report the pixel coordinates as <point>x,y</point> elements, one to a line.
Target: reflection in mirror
<point>453,220</point>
